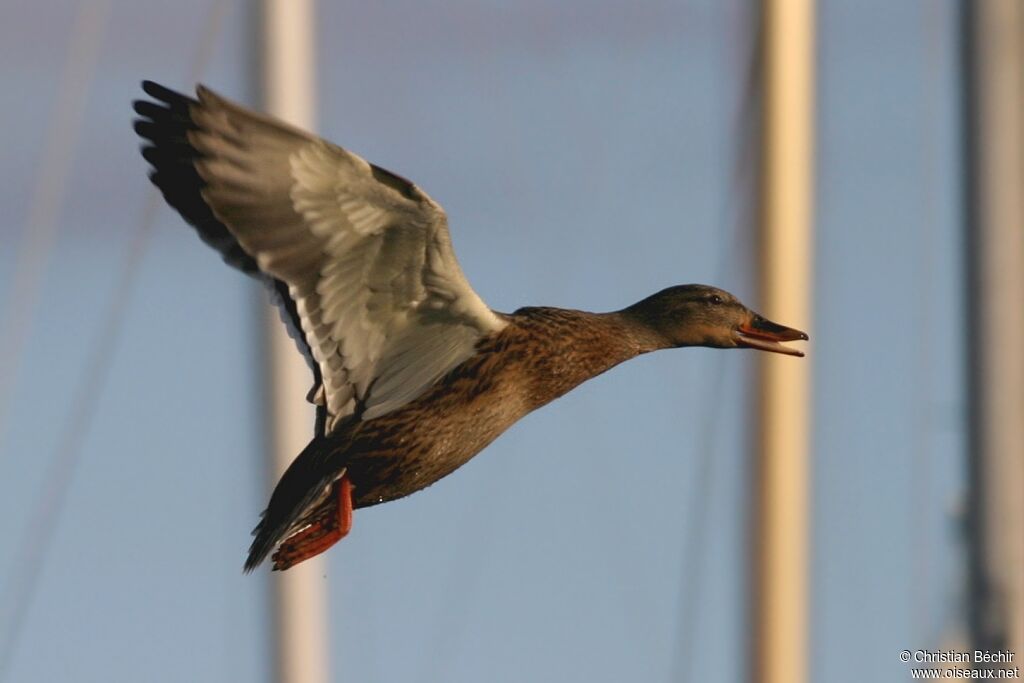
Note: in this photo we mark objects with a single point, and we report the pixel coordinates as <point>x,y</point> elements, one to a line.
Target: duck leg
<point>329,524</point>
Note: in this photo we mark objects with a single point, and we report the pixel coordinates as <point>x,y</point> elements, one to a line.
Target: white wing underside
<point>366,255</point>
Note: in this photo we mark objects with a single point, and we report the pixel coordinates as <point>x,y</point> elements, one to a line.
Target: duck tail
<point>303,487</point>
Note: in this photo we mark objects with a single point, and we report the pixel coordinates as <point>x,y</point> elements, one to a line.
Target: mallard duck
<point>413,374</point>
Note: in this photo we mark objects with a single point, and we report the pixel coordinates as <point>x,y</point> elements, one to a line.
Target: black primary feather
<point>165,124</point>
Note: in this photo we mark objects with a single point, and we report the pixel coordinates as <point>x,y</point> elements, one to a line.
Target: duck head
<point>699,315</point>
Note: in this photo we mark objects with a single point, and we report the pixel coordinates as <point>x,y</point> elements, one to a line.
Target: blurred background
<point>588,154</point>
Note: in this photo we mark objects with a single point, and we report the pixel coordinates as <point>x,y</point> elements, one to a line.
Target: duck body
<point>413,374</point>
<point>542,354</point>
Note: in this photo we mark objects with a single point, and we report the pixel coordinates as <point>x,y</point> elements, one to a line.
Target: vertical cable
<point>40,235</point>
<point>739,189</point>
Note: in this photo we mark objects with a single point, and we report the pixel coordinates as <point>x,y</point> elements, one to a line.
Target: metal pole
<point>993,51</point>
<point>299,594</point>
<point>780,527</point>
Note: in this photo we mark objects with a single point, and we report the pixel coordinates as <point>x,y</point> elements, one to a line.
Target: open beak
<point>760,333</point>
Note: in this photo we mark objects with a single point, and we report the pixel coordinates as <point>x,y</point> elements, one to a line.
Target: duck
<point>413,374</point>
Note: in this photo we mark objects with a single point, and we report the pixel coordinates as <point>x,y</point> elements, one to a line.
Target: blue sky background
<point>584,153</point>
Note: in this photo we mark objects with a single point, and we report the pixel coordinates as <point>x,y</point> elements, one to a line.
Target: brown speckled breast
<point>540,355</point>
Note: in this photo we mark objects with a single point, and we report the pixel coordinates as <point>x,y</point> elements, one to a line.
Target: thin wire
<point>39,530</point>
<point>44,521</point>
<point>40,234</point>
<point>747,119</point>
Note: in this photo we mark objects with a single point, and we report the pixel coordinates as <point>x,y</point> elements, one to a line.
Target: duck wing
<point>361,258</point>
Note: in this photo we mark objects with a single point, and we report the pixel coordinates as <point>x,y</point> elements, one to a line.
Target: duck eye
<point>714,299</point>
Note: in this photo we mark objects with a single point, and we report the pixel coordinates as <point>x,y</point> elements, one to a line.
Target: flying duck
<point>413,374</point>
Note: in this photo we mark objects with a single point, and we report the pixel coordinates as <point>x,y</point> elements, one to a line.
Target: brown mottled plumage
<point>413,374</point>
<point>541,355</point>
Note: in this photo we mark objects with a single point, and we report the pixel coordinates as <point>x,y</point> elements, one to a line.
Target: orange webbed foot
<point>331,523</point>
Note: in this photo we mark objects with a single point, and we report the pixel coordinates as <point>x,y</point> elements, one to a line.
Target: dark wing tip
<point>172,101</point>
<point>160,92</point>
<point>260,548</point>
<point>145,128</point>
<point>140,107</point>
<point>150,109</point>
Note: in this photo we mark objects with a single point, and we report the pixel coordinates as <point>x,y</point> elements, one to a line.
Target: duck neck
<point>575,346</point>
<point>638,331</point>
